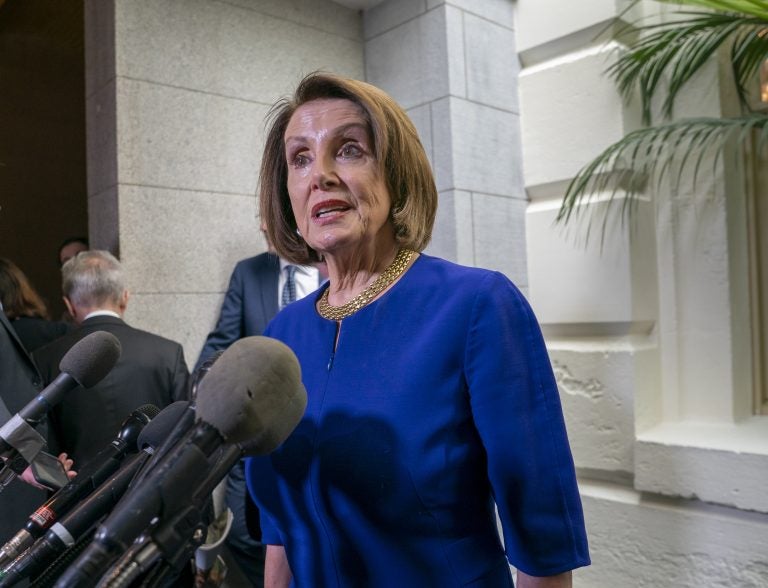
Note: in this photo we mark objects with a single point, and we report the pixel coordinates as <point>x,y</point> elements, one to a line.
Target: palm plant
<point>664,57</point>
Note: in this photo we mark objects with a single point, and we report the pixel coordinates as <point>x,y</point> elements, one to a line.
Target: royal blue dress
<point>438,402</point>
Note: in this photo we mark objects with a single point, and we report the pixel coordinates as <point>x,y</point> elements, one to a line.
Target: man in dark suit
<point>19,383</point>
<point>249,304</point>
<point>151,369</point>
<point>258,288</point>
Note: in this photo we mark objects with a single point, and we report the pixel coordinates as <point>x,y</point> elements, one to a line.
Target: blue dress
<point>438,403</point>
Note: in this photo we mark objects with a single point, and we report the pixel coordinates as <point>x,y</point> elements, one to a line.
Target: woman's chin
<point>333,240</point>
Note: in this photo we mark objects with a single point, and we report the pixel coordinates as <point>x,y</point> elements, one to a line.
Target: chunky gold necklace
<point>389,275</point>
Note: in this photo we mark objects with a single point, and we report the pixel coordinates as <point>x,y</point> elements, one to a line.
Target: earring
<point>298,232</point>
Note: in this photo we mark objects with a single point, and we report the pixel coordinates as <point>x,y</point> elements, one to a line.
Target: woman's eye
<point>299,160</point>
<point>351,150</point>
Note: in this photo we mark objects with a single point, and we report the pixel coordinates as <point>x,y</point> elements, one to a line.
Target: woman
<point>430,391</point>
<point>25,308</point>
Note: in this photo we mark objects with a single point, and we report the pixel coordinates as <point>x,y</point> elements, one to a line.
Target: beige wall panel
<point>178,138</point>
<point>638,540</point>
<point>546,21</point>
<point>180,241</point>
<point>607,280</point>
<point>597,390</point>
<point>454,206</point>
<point>181,317</point>
<point>222,49</point>
<point>323,15</point>
<point>571,112</point>
<point>499,11</point>
<point>499,230</point>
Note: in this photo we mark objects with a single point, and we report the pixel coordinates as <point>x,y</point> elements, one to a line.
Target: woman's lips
<point>329,209</point>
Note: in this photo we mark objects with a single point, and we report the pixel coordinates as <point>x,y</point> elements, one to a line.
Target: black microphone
<point>252,396</point>
<point>185,423</point>
<point>177,535</point>
<point>85,364</point>
<point>89,477</point>
<point>81,519</point>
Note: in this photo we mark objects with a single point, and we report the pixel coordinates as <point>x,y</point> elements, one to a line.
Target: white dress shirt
<point>306,277</point>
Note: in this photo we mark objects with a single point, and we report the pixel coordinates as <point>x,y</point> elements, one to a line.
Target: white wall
<point>648,331</point>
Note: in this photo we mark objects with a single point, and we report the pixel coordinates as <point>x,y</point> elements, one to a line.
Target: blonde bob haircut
<point>397,149</point>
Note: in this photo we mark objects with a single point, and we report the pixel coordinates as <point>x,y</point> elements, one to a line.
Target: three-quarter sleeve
<point>516,409</point>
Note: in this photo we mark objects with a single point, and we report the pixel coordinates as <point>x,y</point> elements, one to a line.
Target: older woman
<point>431,397</point>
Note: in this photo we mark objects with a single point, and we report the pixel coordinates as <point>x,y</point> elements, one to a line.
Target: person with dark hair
<point>26,309</point>
<point>432,403</point>
<point>70,247</point>
<point>151,369</point>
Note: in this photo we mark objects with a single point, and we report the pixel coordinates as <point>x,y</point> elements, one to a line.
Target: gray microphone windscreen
<point>253,394</point>
<point>155,431</point>
<point>91,358</point>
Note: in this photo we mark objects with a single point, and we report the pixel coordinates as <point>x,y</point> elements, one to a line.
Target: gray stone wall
<point>452,65</point>
<point>177,93</point>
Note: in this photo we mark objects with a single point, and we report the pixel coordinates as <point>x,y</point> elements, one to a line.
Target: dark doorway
<point>42,136</point>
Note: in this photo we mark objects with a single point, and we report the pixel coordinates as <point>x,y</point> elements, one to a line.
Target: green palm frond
<point>756,8</point>
<point>651,154</point>
<point>664,57</point>
<point>681,48</point>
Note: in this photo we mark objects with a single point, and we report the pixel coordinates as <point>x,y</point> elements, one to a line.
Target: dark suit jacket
<point>151,370</point>
<point>249,304</point>
<point>19,383</point>
<point>35,332</point>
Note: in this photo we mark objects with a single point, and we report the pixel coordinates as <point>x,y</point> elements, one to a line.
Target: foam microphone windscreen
<point>253,394</point>
<point>156,430</point>
<point>91,358</point>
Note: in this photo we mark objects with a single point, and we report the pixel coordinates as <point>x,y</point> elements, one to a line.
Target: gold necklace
<point>389,275</point>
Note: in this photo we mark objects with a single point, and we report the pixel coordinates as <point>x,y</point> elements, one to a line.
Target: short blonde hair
<point>397,148</point>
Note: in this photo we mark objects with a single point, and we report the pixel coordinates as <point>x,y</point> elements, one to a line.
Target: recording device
<point>48,471</point>
<point>85,364</point>
<point>89,477</point>
<point>251,400</point>
<point>70,528</point>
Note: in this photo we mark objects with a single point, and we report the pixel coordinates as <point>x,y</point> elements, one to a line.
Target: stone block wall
<point>671,466</point>
<point>177,94</point>
<point>452,65</point>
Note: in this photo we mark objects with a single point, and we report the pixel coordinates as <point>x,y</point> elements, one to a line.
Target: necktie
<point>289,288</point>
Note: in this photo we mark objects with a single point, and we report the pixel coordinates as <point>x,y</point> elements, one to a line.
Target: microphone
<point>253,397</point>
<point>76,523</point>
<point>85,364</point>
<point>103,465</point>
<point>177,535</point>
<point>184,424</point>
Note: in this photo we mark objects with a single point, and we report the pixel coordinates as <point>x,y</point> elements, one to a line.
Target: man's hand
<point>28,477</point>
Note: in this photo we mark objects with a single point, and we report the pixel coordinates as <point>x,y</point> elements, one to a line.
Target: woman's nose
<point>324,174</point>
